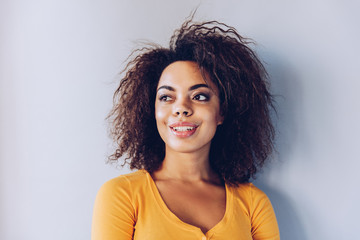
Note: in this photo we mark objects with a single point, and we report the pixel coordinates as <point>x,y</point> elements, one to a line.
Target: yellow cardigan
<point>130,207</point>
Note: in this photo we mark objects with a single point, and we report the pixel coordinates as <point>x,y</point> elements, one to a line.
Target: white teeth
<point>183,128</point>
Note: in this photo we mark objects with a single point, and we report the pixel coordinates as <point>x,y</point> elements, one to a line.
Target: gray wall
<point>59,65</point>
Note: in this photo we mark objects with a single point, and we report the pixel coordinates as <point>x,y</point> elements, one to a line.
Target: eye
<point>201,97</point>
<point>164,98</point>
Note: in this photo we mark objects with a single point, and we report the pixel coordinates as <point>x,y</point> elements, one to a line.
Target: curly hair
<point>245,139</point>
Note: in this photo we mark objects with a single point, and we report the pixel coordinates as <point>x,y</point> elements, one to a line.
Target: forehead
<point>182,73</point>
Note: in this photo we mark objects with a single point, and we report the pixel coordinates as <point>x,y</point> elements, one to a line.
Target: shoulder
<point>249,190</point>
<point>251,197</point>
<point>123,185</point>
<point>126,180</point>
<point>115,208</point>
<point>257,206</point>
<point>120,193</point>
<point>130,178</point>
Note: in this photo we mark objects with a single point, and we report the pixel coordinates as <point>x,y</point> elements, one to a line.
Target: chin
<point>187,147</point>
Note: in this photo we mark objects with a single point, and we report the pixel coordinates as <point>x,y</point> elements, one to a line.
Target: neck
<point>190,167</point>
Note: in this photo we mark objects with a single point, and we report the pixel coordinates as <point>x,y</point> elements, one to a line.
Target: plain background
<point>59,68</point>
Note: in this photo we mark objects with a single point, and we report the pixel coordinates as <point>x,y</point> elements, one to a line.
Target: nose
<point>182,108</point>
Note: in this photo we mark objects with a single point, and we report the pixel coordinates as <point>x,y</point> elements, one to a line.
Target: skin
<point>186,182</point>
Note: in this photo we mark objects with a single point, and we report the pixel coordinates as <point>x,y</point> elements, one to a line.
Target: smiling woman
<point>194,120</point>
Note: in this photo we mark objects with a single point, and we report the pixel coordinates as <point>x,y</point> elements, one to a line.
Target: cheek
<point>215,116</point>
<point>160,114</point>
<point>161,121</point>
<point>212,118</point>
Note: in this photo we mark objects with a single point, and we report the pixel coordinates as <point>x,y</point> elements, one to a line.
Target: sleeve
<point>263,219</point>
<point>113,215</point>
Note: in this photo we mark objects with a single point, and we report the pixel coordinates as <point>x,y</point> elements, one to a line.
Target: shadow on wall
<point>287,90</point>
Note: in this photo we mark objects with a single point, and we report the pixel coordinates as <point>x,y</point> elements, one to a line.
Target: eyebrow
<point>190,88</point>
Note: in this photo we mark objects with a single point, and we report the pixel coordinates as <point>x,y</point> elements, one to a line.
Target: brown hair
<point>244,140</point>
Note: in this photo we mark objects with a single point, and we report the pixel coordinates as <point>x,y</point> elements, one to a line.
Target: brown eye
<point>201,97</point>
<point>164,98</point>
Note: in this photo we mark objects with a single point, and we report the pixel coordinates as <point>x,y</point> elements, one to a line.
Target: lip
<point>183,133</point>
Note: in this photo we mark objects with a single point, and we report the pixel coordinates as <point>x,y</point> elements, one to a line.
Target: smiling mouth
<point>183,128</point>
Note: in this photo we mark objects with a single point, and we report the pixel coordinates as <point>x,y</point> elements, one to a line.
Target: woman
<point>194,120</point>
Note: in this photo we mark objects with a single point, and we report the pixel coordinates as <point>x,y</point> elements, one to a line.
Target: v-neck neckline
<point>173,217</point>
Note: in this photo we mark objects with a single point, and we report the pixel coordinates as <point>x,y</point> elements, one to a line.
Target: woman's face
<point>187,109</point>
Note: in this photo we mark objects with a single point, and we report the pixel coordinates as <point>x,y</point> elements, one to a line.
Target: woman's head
<point>187,109</point>
<point>244,139</point>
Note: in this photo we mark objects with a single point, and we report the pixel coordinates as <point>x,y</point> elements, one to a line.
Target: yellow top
<point>130,207</point>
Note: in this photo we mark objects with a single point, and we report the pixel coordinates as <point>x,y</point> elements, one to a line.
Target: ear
<point>220,120</point>
<point>220,117</point>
